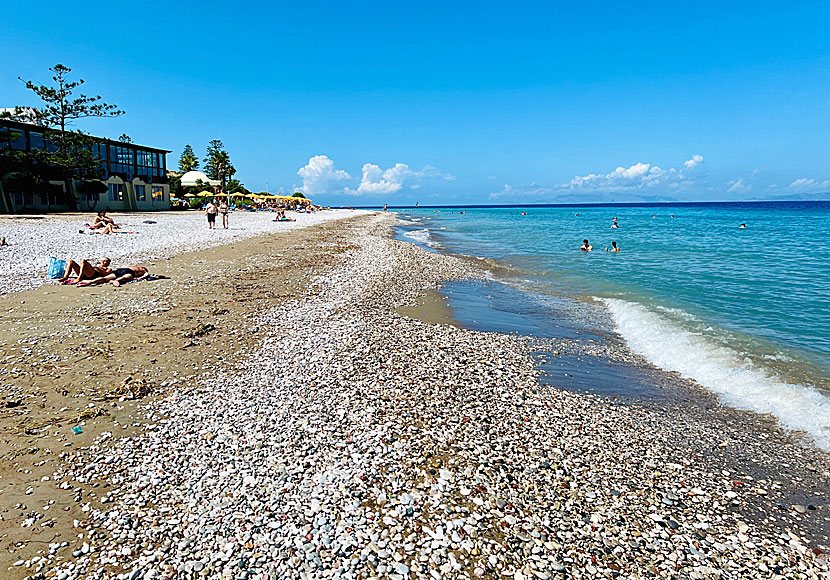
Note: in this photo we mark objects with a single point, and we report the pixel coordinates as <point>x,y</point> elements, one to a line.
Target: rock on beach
<point>359,443</point>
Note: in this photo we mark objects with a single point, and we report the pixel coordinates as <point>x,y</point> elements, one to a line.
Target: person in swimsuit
<point>586,247</point>
<point>102,220</point>
<point>223,209</point>
<point>614,247</point>
<point>210,211</point>
<point>86,269</point>
<point>119,276</point>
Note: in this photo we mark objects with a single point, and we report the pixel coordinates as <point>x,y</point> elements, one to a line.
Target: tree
<point>236,186</point>
<point>298,194</point>
<point>188,161</point>
<point>124,138</point>
<point>70,152</point>
<point>218,162</point>
<point>175,183</point>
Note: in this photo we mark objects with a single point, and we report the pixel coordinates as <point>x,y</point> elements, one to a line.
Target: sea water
<point>742,311</point>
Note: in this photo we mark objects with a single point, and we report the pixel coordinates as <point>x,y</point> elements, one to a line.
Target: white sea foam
<point>738,382</point>
<point>421,236</point>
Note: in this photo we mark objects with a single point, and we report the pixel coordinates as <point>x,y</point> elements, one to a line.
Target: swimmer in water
<point>614,225</point>
<point>524,213</point>
<point>743,227</point>
<point>614,247</point>
<point>586,247</point>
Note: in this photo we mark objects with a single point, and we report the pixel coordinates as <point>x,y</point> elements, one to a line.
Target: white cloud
<point>738,186</point>
<point>693,162</point>
<point>377,181</point>
<point>804,185</point>
<point>529,192</point>
<point>321,176</point>
<point>638,176</point>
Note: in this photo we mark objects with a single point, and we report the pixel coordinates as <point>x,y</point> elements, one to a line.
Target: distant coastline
<point>754,203</point>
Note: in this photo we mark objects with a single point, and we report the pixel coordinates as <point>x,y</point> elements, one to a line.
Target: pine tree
<point>188,161</point>
<point>71,151</point>
<point>218,162</point>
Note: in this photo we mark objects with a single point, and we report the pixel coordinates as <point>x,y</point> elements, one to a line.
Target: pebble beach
<point>32,240</point>
<point>354,442</point>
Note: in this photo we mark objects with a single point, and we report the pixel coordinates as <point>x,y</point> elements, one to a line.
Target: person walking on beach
<point>210,211</point>
<point>223,209</point>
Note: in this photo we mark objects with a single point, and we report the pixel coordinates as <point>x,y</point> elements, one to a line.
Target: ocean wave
<point>423,237</point>
<point>732,376</point>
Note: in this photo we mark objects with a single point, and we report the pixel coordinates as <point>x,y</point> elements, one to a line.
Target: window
<point>19,140</point>
<point>5,137</point>
<point>116,192</point>
<point>51,195</point>
<point>158,193</point>
<point>140,193</point>
<point>35,140</point>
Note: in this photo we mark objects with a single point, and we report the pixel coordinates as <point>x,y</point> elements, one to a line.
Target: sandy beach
<point>298,404</point>
<point>32,239</point>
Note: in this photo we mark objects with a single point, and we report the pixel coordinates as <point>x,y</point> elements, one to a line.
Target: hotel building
<point>135,176</point>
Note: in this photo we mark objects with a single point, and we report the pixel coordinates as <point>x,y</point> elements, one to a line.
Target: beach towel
<point>56,268</point>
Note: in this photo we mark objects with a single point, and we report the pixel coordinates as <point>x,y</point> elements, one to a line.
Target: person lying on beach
<point>119,276</point>
<point>86,269</point>
<point>586,247</point>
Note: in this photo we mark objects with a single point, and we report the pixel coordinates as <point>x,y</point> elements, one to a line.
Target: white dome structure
<point>191,177</point>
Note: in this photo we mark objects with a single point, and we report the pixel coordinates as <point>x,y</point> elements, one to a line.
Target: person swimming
<point>743,227</point>
<point>586,247</point>
<point>614,226</point>
<point>614,247</point>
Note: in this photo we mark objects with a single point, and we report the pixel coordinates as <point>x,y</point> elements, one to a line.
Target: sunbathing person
<point>102,220</point>
<point>281,217</point>
<point>87,269</point>
<point>119,276</point>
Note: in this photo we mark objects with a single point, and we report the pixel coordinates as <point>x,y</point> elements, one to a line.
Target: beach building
<point>193,178</point>
<point>134,177</point>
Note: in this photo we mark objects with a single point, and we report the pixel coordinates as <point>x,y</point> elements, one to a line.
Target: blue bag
<point>56,269</point>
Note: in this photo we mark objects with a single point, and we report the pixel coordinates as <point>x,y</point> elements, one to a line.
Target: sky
<point>364,103</point>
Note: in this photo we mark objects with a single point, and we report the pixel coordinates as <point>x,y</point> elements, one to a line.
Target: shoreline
<point>787,466</point>
<point>357,439</point>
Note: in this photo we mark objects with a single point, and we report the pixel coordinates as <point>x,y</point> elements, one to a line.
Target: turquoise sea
<point>743,311</point>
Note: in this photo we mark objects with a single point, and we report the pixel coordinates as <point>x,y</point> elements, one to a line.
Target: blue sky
<point>364,102</point>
